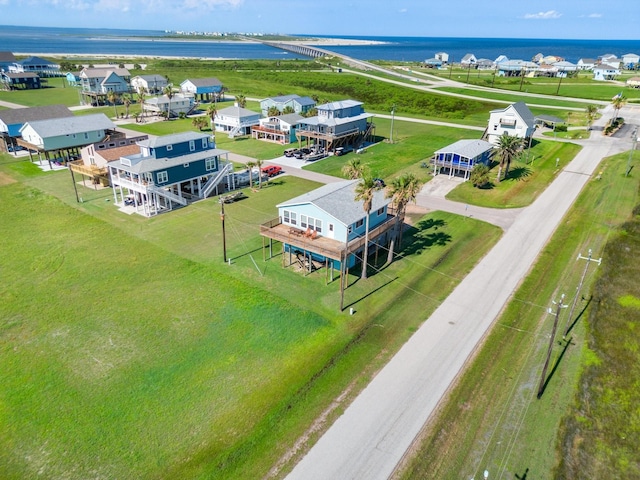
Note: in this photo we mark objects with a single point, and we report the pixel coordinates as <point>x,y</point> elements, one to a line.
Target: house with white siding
<point>163,105</point>
<point>604,72</point>
<point>514,120</point>
<point>150,83</point>
<point>280,129</point>
<point>236,121</point>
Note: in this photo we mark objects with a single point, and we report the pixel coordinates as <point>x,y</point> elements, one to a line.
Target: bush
<point>479,177</point>
<point>561,128</point>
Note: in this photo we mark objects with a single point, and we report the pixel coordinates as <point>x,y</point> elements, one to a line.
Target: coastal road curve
<point>371,437</point>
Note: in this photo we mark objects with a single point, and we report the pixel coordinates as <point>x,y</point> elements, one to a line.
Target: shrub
<point>479,175</point>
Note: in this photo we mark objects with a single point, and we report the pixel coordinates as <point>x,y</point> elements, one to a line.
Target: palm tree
<point>142,94</point>
<point>592,111</point>
<point>199,122</point>
<point>168,91</point>
<point>258,163</point>
<point>112,97</point>
<point>354,168</point>
<point>365,190</point>
<point>618,102</point>
<point>212,111</point>
<point>288,109</point>
<point>273,111</point>
<point>403,190</point>
<point>250,164</point>
<point>126,100</point>
<point>241,100</point>
<point>508,148</point>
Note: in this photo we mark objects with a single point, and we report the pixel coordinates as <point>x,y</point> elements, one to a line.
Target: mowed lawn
<point>130,350</point>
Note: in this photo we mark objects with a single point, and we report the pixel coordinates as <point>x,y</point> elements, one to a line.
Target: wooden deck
<point>320,245</point>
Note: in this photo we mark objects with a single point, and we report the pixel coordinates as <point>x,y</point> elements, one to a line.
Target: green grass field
<point>493,419</point>
<point>129,350</point>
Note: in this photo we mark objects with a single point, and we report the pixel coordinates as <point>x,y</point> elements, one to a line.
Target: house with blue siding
<point>327,225</point>
<point>461,157</point>
<point>168,172</point>
<point>337,124</point>
<point>41,66</point>
<point>300,105</point>
<point>67,132</point>
<point>203,88</point>
<point>20,81</point>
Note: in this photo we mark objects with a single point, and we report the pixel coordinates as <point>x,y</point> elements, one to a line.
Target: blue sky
<point>581,19</point>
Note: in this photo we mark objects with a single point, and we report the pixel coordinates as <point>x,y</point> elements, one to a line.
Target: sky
<point>573,19</point>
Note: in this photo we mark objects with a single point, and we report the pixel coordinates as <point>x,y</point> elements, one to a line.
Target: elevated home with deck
<point>41,66</point>
<point>327,226</point>
<point>149,83</point>
<point>6,59</point>
<point>63,137</point>
<point>203,88</point>
<point>20,81</point>
<point>460,157</point>
<point>168,172</point>
<point>337,124</point>
<point>280,129</point>
<point>236,121</point>
<point>96,83</point>
<point>13,119</point>
<point>514,120</point>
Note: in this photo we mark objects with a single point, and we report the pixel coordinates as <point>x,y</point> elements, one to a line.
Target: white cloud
<point>403,10</point>
<point>211,4</point>
<point>551,14</point>
<point>594,15</point>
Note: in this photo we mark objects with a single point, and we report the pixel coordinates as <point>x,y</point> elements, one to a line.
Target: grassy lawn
<point>525,181</point>
<point>514,97</point>
<point>129,350</point>
<point>54,93</point>
<point>414,143</point>
<point>492,419</point>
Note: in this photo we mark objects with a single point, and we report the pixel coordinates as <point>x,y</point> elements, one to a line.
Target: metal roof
<point>204,82</point>
<point>70,125</point>
<point>522,110</point>
<point>236,112</point>
<point>22,115</point>
<point>172,139</point>
<point>140,164</point>
<point>467,148</point>
<point>338,200</point>
<point>339,105</point>
<point>103,72</point>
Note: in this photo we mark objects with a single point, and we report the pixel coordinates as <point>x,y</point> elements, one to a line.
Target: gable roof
<point>20,75</point>
<point>237,112</point>
<point>35,61</point>
<point>204,82</point>
<point>103,72</point>
<point>22,115</point>
<point>151,78</point>
<point>113,154</point>
<point>467,148</point>
<point>522,110</point>
<point>172,139</point>
<point>70,125</point>
<point>290,118</point>
<point>140,164</point>
<point>338,200</point>
<point>339,105</point>
<point>7,57</point>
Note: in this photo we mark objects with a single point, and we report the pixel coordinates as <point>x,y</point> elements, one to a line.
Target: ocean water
<point>48,40</point>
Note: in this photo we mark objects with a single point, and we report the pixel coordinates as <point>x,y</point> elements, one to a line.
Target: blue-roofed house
<point>168,172</point>
<point>514,120</point>
<point>300,105</point>
<point>41,66</point>
<point>280,129</point>
<point>337,124</point>
<point>327,225</point>
<point>203,88</point>
<point>460,157</point>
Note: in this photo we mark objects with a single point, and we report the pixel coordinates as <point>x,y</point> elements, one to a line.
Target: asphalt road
<point>371,437</point>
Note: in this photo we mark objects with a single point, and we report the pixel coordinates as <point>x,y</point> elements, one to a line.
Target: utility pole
<point>553,334</point>
<point>521,78</point>
<point>560,74</point>
<point>224,238</point>
<point>634,139</point>
<point>393,113</point>
<point>575,300</point>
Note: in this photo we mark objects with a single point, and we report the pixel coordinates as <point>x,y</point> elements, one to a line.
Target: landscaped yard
<point>129,349</point>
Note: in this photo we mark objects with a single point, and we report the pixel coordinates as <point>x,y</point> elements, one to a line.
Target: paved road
<point>375,431</point>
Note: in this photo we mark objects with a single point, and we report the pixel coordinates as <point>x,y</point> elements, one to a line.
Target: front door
<point>330,231</point>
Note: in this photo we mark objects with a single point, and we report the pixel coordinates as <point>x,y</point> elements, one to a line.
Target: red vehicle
<point>272,170</point>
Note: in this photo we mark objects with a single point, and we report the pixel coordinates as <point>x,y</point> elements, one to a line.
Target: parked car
<point>290,152</point>
<point>379,182</point>
<point>272,170</point>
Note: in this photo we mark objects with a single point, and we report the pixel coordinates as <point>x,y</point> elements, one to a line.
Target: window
<point>331,227</point>
<point>359,223</point>
<point>86,135</point>
<point>285,216</point>
<point>185,165</point>
<point>303,221</point>
<point>380,211</point>
<point>192,145</point>
<point>204,143</point>
<point>350,229</point>
<point>210,164</point>
<point>169,148</point>
<point>163,177</point>
<point>318,225</point>
<point>293,218</point>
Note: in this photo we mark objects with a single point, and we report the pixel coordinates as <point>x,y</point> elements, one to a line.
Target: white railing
<point>215,180</point>
<point>167,194</point>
